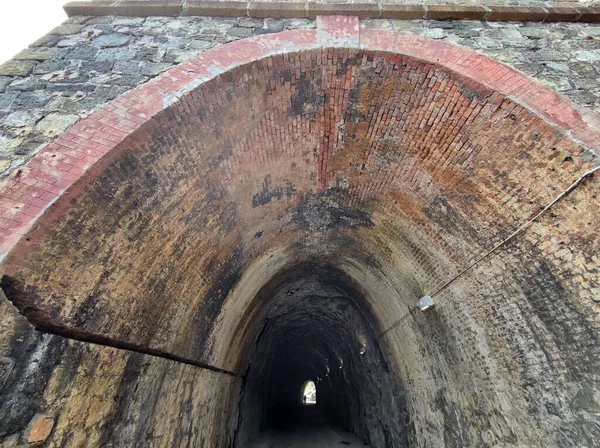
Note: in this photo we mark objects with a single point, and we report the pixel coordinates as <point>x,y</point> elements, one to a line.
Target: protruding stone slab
<point>562,15</point>
<point>148,8</point>
<point>16,68</point>
<point>217,9</point>
<point>277,10</point>
<point>589,15</point>
<point>38,54</point>
<point>516,14</point>
<point>455,12</point>
<point>54,124</point>
<point>403,12</point>
<point>83,8</point>
<point>362,11</point>
<point>39,430</point>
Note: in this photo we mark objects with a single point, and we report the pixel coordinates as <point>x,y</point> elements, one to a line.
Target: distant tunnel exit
<point>309,393</point>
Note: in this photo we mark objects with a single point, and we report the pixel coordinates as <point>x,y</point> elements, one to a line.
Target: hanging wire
<point>519,230</point>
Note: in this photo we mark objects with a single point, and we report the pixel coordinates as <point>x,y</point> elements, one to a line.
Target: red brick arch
<point>77,156</point>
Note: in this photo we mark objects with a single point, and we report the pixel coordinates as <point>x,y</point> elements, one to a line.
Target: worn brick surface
<point>392,168</point>
<point>201,200</point>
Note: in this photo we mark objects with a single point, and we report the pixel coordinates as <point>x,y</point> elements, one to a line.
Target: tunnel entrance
<point>309,393</point>
<point>347,185</point>
<point>316,325</point>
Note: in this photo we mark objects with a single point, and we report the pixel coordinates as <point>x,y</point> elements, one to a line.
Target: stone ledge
<point>275,10</point>
<point>294,10</point>
<point>450,12</point>
<point>362,11</point>
<point>216,8</point>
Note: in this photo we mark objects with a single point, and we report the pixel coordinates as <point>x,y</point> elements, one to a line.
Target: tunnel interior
<point>276,220</point>
<point>318,327</point>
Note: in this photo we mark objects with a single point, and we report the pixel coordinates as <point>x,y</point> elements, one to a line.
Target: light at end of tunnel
<point>426,302</point>
<point>363,350</point>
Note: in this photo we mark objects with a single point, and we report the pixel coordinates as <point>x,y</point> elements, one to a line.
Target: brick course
<point>399,162</point>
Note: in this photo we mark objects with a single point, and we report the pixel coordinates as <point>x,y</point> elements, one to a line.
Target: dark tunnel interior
<point>268,226</point>
<point>316,327</point>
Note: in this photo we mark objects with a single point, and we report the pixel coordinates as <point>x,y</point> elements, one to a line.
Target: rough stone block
<point>27,84</point>
<point>65,30</point>
<point>39,430</point>
<point>111,40</point>
<point>21,118</point>
<point>16,68</point>
<point>562,15</point>
<point>38,54</point>
<point>4,82</point>
<point>53,124</point>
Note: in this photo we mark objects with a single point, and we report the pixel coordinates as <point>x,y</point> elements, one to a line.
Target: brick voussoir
<point>123,114</point>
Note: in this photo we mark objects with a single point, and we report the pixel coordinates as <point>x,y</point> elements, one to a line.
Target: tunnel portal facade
<point>271,211</point>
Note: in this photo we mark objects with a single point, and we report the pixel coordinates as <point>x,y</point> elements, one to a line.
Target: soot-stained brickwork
<point>339,183</point>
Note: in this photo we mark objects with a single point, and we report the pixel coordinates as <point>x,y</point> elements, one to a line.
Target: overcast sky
<point>24,21</point>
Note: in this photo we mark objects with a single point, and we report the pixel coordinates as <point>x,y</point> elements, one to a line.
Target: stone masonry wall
<point>99,396</point>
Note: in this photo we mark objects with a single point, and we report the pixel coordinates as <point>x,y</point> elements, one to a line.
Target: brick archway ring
<point>82,152</point>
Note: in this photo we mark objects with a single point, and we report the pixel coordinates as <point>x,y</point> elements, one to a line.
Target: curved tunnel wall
<point>395,171</point>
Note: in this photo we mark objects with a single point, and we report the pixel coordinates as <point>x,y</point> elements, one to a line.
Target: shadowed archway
<point>290,198</point>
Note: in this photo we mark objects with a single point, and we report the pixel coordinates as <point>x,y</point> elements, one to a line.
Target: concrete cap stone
<point>403,12</point>
<point>261,10</point>
<point>362,11</point>
<point>216,8</point>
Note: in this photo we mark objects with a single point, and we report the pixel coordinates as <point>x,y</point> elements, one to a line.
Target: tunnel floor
<point>312,429</point>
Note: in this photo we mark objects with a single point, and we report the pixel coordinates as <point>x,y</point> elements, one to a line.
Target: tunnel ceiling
<point>395,171</point>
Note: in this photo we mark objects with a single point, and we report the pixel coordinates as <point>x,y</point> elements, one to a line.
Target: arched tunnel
<point>280,221</point>
<point>318,327</point>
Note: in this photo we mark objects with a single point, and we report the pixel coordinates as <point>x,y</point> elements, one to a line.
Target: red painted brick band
<point>145,8</point>
<point>64,168</point>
